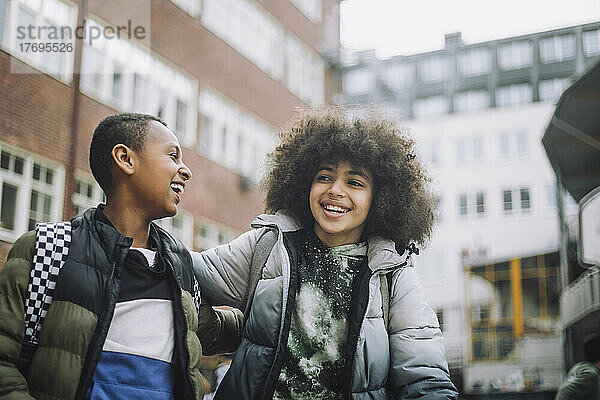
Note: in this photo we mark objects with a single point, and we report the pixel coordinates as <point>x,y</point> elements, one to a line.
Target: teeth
<point>330,207</point>
<point>177,187</point>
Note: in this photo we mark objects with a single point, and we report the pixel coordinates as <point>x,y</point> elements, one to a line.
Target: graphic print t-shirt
<point>317,344</point>
<point>136,359</point>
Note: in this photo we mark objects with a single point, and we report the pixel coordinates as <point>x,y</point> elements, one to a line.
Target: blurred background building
<point>224,75</point>
<point>492,268</point>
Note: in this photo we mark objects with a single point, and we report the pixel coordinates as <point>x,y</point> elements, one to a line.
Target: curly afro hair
<point>402,207</point>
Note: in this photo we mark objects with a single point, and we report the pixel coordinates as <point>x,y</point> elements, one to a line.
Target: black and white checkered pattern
<point>197,295</point>
<point>51,250</point>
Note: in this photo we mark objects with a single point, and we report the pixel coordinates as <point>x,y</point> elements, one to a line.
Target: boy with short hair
<point>125,321</point>
<point>583,380</point>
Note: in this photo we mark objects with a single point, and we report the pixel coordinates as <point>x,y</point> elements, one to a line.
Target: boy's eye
<point>174,156</point>
<point>323,178</point>
<point>355,183</point>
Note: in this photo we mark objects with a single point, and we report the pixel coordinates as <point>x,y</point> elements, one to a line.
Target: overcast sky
<point>405,27</point>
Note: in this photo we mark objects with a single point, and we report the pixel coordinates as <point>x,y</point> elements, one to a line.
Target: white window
<point>516,199</point>
<point>313,9</point>
<point>430,152</point>
<point>358,81</point>
<point>557,48</point>
<point>591,42</point>
<point>471,204</point>
<point>250,30</point>
<point>469,150</point>
<point>514,95</point>
<point>398,74</point>
<point>3,15</point>
<point>515,55</point>
<point>552,89</point>
<point>513,144</point>
<point>304,72</point>
<point>192,7</point>
<point>433,68</point>
<point>551,196</point>
<point>87,194</point>
<point>228,130</point>
<point>211,234</point>
<point>128,77</point>
<point>28,28</point>
<point>475,61</point>
<point>471,100</point>
<point>31,192</point>
<point>429,106</point>
<point>181,226</point>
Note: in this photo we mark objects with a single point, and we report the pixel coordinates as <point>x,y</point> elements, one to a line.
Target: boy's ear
<point>124,158</point>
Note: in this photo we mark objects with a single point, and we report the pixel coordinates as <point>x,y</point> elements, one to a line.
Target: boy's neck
<point>129,223</point>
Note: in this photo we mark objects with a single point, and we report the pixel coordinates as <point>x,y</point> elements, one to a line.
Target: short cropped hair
<point>591,347</point>
<point>402,208</point>
<point>129,129</point>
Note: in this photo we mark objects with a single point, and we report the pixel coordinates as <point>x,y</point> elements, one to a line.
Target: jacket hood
<point>381,253</point>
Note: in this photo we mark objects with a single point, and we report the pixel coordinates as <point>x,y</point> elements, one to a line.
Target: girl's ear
<point>124,158</point>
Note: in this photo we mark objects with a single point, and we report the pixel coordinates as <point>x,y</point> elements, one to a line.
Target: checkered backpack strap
<point>51,249</point>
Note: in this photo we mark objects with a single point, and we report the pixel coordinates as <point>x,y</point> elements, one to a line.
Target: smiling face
<point>340,199</point>
<point>160,173</point>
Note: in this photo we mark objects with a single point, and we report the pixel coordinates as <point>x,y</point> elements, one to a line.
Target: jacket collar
<point>381,253</point>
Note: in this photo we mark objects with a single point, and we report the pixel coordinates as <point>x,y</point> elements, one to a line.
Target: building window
<point>513,95</point>
<point>430,106</point>
<point>557,48</point>
<point>433,68</point>
<point>475,61</point>
<point>205,134</point>
<point>3,14</point>
<point>358,81</point>
<point>257,138</point>
<point>515,55</point>
<point>192,7</point>
<point>525,199</point>
<point>471,204</point>
<point>591,43</point>
<point>211,234</point>
<point>87,194</point>
<point>250,30</point>
<point>471,100</point>
<point>469,150</point>
<point>31,192</point>
<point>304,71</point>
<point>53,23</point>
<point>181,226</point>
<point>398,74</point>
<point>523,196</point>
<point>552,89</point>
<point>313,9</point>
<point>128,77</point>
<point>507,200</point>
<point>514,144</point>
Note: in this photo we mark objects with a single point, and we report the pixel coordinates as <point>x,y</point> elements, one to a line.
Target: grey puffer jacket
<point>407,363</point>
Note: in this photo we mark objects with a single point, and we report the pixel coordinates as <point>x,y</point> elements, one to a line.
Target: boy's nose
<point>185,173</point>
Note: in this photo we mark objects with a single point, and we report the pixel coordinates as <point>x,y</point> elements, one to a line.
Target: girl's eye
<point>356,183</point>
<point>323,178</point>
<point>174,156</point>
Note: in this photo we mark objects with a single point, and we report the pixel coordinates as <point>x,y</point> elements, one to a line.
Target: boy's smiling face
<point>340,199</point>
<point>160,173</point>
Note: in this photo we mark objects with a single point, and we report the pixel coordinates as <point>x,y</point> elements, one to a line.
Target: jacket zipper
<point>186,352</point>
<point>355,344</point>
<point>87,374</point>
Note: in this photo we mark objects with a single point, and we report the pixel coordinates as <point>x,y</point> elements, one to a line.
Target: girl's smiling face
<point>340,199</point>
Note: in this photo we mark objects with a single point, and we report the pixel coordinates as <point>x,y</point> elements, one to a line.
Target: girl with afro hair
<point>337,312</point>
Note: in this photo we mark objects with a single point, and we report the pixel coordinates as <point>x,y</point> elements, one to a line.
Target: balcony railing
<point>581,297</point>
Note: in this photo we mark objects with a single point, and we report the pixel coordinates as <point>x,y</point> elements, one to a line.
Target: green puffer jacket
<point>79,317</point>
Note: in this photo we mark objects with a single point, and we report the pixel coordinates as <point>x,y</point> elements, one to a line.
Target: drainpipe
<point>69,207</point>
